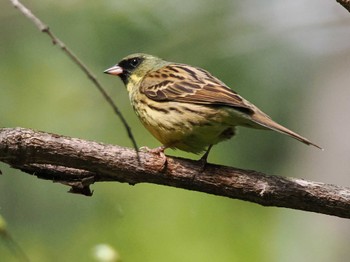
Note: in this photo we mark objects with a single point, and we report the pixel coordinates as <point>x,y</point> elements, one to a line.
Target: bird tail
<point>266,122</point>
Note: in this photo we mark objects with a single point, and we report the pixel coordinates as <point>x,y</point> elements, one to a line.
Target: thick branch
<point>79,163</point>
<point>345,4</point>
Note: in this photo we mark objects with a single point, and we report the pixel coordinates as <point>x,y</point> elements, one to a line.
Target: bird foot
<point>157,151</point>
<point>203,160</point>
<point>203,163</point>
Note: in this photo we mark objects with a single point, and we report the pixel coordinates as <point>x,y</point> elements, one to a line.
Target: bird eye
<point>134,62</point>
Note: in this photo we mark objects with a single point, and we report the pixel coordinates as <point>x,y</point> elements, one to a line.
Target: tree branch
<point>79,163</point>
<point>345,4</point>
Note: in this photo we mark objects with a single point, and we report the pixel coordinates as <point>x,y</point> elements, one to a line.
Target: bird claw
<point>157,151</point>
<point>203,160</point>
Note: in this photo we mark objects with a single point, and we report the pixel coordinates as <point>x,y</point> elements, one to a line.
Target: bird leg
<point>205,156</point>
<point>202,162</point>
<point>203,159</point>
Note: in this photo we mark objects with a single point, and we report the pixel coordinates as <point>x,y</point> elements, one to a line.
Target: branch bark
<point>79,163</point>
<point>345,4</point>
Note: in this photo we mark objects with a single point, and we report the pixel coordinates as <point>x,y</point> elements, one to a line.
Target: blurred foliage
<point>269,52</point>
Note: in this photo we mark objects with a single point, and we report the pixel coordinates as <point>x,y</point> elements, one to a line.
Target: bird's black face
<point>128,66</point>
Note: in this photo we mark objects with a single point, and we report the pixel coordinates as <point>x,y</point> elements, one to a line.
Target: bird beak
<point>114,70</point>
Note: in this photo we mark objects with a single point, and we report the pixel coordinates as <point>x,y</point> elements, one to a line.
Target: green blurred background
<point>292,59</point>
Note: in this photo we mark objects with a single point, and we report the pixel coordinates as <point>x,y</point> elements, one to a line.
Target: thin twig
<point>11,243</point>
<point>56,41</point>
<point>14,247</point>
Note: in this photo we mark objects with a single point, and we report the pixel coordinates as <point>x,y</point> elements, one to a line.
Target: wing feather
<point>183,83</point>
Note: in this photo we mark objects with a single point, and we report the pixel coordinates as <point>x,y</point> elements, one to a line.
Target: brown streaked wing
<point>183,83</point>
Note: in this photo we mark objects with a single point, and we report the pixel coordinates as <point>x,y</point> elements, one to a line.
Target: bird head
<point>134,67</point>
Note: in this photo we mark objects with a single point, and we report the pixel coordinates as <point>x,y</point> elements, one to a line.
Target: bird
<point>187,108</point>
